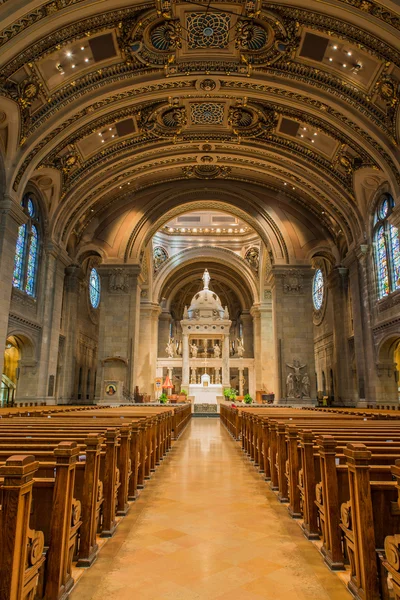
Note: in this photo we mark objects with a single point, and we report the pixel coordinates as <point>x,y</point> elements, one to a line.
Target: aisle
<point>206,527</point>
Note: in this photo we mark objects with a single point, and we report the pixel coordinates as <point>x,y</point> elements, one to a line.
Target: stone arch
<point>219,255</point>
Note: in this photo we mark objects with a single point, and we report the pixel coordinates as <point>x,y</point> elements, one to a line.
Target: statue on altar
<point>240,347</point>
<point>206,279</point>
<point>193,350</point>
<point>170,349</point>
<point>185,313</point>
<point>217,351</point>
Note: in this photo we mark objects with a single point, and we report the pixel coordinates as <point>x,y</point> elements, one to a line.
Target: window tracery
<point>27,249</point>
<point>318,289</point>
<point>94,288</point>
<point>387,248</point>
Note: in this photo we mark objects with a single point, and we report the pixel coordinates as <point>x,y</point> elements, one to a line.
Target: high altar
<point>205,320</point>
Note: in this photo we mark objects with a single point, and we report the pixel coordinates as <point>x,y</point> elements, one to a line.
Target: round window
<point>318,289</point>
<point>94,288</point>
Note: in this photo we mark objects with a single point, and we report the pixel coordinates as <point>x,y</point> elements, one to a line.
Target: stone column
<point>241,381</point>
<point>119,324</point>
<point>53,290</point>
<point>247,325</point>
<point>147,356</point>
<point>164,323</point>
<point>363,343</point>
<point>293,325</point>
<point>11,217</point>
<point>185,361</point>
<point>264,346</point>
<point>338,286</point>
<point>225,362</point>
<point>170,375</point>
<point>74,277</point>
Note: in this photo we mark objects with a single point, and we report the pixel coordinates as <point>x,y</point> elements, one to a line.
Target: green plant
<point>163,399</point>
<point>230,394</point>
<point>184,393</point>
<point>247,399</point>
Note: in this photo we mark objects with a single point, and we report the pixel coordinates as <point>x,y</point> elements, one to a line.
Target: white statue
<point>306,385</point>
<point>218,377</point>
<point>193,350</point>
<point>193,375</point>
<point>290,386</point>
<point>240,347</point>
<point>217,351</point>
<point>206,279</point>
<point>226,313</point>
<point>185,313</point>
<point>170,350</point>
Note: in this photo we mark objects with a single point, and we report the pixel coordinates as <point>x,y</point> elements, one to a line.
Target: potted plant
<point>184,392</point>
<point>163,399</point>
<point>227,393</point>
<point>247,399</point>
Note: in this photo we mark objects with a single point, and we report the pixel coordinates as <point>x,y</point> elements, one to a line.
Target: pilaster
<point>293,326</point>
<point>147,357</point>
<point>118,326</point>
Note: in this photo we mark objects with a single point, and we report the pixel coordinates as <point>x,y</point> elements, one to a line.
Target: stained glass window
<point>18,276</point>
<point>382,260</point>
<point>94,288</point>
<point>394,239</point>
<point>318,289</point>
<point>387,248</point>
<point>32,262</point>
<point>27,250</point>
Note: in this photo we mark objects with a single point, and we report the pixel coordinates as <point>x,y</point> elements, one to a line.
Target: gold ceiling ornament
<point>206,171</point>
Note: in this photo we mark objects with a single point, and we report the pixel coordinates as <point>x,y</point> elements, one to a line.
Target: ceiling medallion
<point>206,171</point>
<point>207,113</point>
<point>208,85</point>
<point>208,30</point>
<point>167,36</point>
<point>250,36</point>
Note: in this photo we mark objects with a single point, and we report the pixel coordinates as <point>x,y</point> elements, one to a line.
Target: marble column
<point>170,375</point>
<point>241,381</point>
<point>119,325</point>
<point>225,362</point>
<point>264,346</point>
<point>74,278</point>
<point>55,262</point>
<point>11,217</point>
<point>185,361</point>
<point>164,323</point>
<point>357,262</point>
<point>293,325</point>
<point>247,327</point>
<point>338,288</point>
<point>147,357</point>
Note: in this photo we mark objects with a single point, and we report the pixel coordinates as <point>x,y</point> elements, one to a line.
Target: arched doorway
<point>12,356</point>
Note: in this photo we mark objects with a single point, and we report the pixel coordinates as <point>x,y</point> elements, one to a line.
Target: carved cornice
<point>19,320</point>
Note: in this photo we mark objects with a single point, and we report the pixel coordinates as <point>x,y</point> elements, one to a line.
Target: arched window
<point>27,249</point>
<point>387,248</point>
<point>94,288</point>
<point>318,289</point>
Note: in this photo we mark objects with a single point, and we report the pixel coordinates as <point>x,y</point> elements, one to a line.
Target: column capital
<point>119,278</point>
<point>10,206</point>
<point>150,307</point>
<point>337,277</point>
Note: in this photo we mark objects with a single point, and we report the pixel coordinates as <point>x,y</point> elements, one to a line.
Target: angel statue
<point>170,350</point>
<point>193,350</point>
<point>240,347</point>
<point>217,351</point>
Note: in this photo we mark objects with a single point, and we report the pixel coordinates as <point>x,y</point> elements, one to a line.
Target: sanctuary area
<point>199,266</point>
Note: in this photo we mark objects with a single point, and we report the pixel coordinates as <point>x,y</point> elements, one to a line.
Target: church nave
<point>208,527</point>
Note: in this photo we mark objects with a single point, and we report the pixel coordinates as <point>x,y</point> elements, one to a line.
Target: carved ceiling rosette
<point>163,120</point>
<point>252,120</point>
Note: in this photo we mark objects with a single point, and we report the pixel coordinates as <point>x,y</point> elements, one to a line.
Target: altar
<point>205,395</point>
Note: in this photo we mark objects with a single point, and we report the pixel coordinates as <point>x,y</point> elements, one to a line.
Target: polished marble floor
<point>207,527</point>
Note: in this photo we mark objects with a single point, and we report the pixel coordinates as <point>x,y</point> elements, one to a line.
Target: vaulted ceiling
<point>103,100</point>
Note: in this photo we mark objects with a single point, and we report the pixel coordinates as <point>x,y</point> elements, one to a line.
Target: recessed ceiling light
<point>69,54</point>
<point>301,135</point>
<point>293,188</point>
<point>110,129</point>
<point>82,47</point>
<point>344,65</point>
<point>100,133</point>
<point>330,59</point>
<point>315,133</point>
<point>73,66</point>
<point>312,141</point>
<point>349,54</point>
<point>285,184</point>
<point>335,47</point>
<point>102,141</point>
<point>304,128</point>
<point>113,136</point>
<point>86,60</point>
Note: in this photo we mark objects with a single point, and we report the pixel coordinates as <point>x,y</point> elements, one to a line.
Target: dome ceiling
<point>102,100</point>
